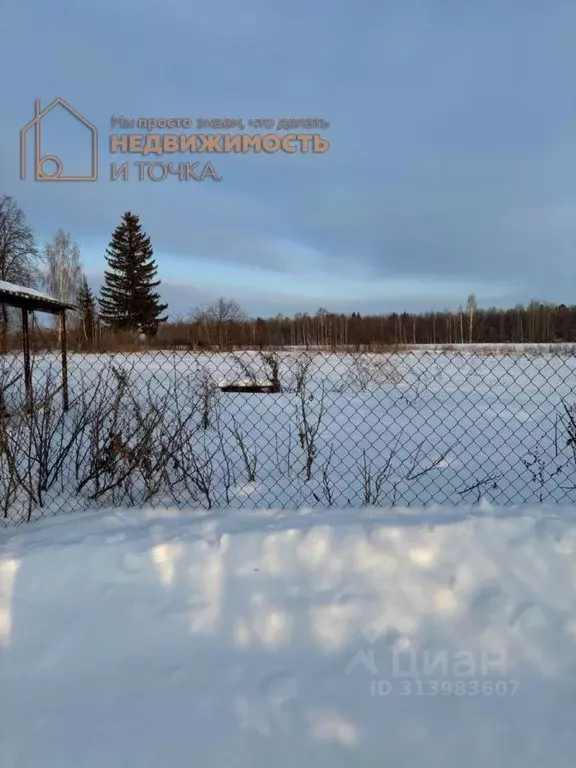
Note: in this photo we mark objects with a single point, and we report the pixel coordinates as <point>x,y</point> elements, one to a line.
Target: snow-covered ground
<point>444,637</point>
<point>558,348</point>
<point>410,428</point>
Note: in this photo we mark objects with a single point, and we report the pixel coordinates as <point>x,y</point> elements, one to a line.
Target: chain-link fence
<point>288,429</point>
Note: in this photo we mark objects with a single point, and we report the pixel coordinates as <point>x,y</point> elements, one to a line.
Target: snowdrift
<point>337,638</point>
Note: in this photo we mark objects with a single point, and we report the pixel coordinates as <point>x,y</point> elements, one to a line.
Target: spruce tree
<point>86,303</point>
<point>128,300</point>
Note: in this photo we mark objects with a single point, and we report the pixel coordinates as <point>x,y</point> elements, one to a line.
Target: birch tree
<point>63,275</point>
<point>471,310</point>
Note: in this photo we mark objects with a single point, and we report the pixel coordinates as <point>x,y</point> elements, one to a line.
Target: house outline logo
<point>39,160</point>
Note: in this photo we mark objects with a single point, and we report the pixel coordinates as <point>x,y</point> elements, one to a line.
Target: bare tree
<point>471,309</point>
<point>373,480</point>
<point>18,254</point>
<point>250,457</point>
<point>206,391</point>
<point>309,424</point>
<point>217,318</point>
<point>321,316</point>
<point>301,376</point>
<point>272,363</point>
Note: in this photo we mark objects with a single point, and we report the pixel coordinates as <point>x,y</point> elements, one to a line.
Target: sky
<point>452,160</point>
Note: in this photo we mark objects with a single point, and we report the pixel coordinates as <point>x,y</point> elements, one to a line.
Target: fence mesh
<point>287,428</point>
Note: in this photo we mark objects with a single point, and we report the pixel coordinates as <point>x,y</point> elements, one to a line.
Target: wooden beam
<point>27,361</point>
<point>33,304</point>
<point>64,353</point>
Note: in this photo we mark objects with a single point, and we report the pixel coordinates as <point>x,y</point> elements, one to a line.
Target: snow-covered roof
<point>242,383</point>
<point>30,297</point>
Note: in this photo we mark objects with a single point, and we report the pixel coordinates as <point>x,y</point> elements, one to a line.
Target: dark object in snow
<point>249,387</point>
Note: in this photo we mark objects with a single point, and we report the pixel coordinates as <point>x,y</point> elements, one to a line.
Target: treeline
<point>128,313</point>
<point>223,325</point>
<point>533,324</point>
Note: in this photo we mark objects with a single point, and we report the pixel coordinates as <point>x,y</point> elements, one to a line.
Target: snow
<point>268,638</point>
<point>23,290</point>
<point>243,383</point>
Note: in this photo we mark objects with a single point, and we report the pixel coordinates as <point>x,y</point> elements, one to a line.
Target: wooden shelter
<point>30,300</point>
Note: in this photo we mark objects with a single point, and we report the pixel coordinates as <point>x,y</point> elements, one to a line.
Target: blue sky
<point>452,160</point>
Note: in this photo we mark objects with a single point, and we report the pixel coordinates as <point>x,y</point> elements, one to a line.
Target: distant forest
<point>224,324</point>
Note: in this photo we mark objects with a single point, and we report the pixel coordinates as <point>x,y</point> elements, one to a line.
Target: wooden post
<point>27,362</point>
<point>63,350</point>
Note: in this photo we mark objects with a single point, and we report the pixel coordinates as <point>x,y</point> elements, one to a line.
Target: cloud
<point>452,156</point>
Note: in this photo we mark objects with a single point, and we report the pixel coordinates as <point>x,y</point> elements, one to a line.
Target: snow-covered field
<point>330,638</point>
<point>415,427</point>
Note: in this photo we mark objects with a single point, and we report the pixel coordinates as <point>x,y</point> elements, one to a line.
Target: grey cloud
<point>268,304</point>
<point>452,154</point>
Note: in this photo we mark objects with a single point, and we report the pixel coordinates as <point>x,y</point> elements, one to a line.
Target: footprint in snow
<point>280,687</point>
<point>528,616</point>
<point>489,598</point>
